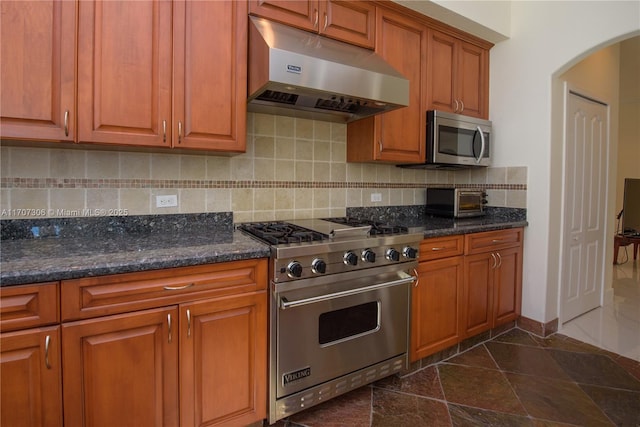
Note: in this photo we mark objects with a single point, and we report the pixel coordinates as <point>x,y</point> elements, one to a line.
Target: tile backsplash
<point>293,168</point>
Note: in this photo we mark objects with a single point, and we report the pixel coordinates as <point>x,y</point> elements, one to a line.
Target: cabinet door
<point>124,72</point>
<point>30,375</point>
<point>396,136</point>
<point>436,304</point>
<point>37,70</point>
<point>478,278</point>
<point>473,80</point>
<point>210,75</point>
<point>223,360</point>
<point>122,370</point>
<point>441,72</point>
<point>507,286</point>
<point>297,13</point>
<point>349,21</point>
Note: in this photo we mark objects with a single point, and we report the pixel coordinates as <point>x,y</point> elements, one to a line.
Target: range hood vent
<point>296,73</point>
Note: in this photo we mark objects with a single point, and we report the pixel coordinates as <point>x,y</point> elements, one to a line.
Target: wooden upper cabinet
<point>124,72</point>
<point>164,74</point>
<point>37,70</point>
<point>349,21</point>
<point>210,75</point>
<point>457,76</point>
<point>396,136</point>
<point>297,13</point>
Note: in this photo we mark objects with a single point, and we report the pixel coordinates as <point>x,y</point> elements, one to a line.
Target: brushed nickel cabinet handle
<point>188,322</point>
<point>164,131</point>
<point>499,259</point>
<point>326,21</point>
<point>47,343</point>
<point>179,132</point>
<point>178,288</point>
<point>496,241</point>
<point>315,22</point>
<point>169,324</point>
<point>438,249</point>
<point>462,106</point>
<point>66,123</point>
<point>495,261</point>
<point>455,109</point>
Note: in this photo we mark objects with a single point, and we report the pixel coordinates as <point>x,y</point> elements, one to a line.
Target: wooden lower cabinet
<point>223,363</point>
<point>30,378</point>
<point>201,361</point>
<point>466,285</point>
<point>493,285</point>
<point>436,306</point>
<point>122,370</point>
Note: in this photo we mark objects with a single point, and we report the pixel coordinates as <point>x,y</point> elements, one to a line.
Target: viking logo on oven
<point>296,375</point>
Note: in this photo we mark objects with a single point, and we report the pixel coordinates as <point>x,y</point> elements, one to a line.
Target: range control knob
<point>350,258</point>
<point>392,255</point>
<point>318,266</point>
<point>410,252</point>
<point>294,269</point>
<point>368,255</point>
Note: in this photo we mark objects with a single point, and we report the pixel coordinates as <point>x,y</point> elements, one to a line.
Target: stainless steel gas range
<point>339,306</point>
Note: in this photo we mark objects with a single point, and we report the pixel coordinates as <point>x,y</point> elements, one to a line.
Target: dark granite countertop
<point>75,248</point>
<point>43,250</point>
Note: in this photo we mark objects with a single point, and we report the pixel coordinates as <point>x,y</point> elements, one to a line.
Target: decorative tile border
<point>9,183</point>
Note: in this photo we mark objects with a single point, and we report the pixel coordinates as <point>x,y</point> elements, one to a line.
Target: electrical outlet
<point>166,201</point>
<point>376,197</point>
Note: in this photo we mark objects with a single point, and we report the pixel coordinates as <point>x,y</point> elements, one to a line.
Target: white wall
<point>547,38</point>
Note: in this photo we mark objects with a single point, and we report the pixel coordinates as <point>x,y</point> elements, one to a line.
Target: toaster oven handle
<point>482,146</point>
<point>284,304</point>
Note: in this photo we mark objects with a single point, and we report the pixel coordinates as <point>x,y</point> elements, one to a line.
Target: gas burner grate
<point>377,228</point>
<point>281,232</point>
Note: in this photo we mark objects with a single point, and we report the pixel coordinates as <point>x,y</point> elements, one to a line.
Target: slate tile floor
<point>516,379</point>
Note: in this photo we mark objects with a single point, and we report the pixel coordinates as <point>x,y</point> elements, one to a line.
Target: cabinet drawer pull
<point>66,123</point>
<point>164,131</point>
<point>461,106</point>
<point>179,132</point>
<point>438,249</point>
<point>169,325</point>
<point>47,343</point>
<point>455,109</point>
<point>188,322</point>
<point>499,259</point>
<point>495,261</point>
<point>496,241</point>
<point>315,22</point>
<point>178,288</point>
<point>326,21</point>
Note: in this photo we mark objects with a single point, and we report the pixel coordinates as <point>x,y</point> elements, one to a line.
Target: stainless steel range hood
<point>296,73</point>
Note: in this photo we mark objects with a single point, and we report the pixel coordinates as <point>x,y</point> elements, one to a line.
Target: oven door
<point>334,328</point>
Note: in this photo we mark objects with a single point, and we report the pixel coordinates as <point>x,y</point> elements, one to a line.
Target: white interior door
<point>585,178</point>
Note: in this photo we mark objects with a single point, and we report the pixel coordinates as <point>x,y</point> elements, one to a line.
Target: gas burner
<point>377,228</point>
<point>281,232</point>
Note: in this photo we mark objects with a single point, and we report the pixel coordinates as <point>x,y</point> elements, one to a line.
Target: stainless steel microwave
<point>455,141</point>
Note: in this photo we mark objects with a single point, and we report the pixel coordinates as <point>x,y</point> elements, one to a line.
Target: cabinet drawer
<point>492,240</point>
<point>120,293</point>
<point>441,247</point>
<point>28,306</point>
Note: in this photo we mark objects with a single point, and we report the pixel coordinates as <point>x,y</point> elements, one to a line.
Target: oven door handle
<point>284,304</point>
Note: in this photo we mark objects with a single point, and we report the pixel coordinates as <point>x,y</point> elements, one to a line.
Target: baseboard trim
<point>540,329</point>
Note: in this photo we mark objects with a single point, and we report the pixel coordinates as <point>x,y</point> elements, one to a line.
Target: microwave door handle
<point>482,146</point>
